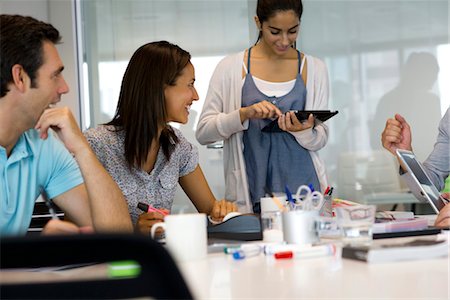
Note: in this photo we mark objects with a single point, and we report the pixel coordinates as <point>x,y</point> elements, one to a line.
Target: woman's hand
<point>289,122</point>
<point>221,209</point>
<point>147,220</point>
<point>260,110</point>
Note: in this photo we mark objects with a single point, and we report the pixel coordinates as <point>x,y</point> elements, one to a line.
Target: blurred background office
<point>383,57</point>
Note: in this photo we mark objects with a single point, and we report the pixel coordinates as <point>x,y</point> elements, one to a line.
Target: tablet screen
<point>425,187</point>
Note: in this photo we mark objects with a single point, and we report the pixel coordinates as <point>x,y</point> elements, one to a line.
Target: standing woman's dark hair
<point>268,8</point>
<point>141,110</point>
<point>21,41</point>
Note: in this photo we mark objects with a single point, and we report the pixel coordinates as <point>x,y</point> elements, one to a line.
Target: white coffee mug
<point>299,226</point>
<point>186,236</point>
<point>273,204</point>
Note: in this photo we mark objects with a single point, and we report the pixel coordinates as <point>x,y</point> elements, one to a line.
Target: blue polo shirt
<point>34,164</point>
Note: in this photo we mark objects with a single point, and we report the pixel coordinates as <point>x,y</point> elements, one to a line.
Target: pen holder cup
<point>299,226</point>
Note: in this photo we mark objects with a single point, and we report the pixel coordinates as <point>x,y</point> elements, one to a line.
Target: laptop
<point>421,185</point>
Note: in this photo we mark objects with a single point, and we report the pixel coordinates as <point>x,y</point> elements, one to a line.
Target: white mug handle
<point>155,226</point>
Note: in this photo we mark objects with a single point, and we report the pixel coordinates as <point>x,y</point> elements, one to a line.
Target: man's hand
<point>396,134</point>
<point>63,123</point>
<point>57,227</point>
<point>146,221</point>
<point>289,122</point>
<point>260,110</point>
<point>221,209</point>
<point>443,218</point>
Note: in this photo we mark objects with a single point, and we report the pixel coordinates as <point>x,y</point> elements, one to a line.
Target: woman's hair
<point>266,9</point>
<point>141,107</point>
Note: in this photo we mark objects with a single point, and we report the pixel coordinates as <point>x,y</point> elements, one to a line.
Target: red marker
<point>308,252</point>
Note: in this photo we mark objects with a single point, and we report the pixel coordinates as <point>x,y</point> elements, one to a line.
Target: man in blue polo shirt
<point>32,159</point>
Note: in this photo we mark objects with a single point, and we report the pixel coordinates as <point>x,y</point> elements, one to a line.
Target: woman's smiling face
<point>179,97</point>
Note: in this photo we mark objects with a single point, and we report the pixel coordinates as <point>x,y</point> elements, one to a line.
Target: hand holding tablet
<point>302,115</point>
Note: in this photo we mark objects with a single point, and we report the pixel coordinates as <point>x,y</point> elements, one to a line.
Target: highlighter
<point>148,208</point>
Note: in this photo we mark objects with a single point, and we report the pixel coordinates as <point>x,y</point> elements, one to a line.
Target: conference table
<point>219,276</point>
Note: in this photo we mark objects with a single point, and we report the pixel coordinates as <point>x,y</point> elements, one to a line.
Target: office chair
<point>159,277</point>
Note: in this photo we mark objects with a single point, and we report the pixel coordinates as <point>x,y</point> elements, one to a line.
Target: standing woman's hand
<point>147,220</point>
<point>260,110</point>
<point>289,122</point>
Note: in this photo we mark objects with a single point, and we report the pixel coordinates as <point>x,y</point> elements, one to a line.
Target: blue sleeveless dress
<point>275,159</point>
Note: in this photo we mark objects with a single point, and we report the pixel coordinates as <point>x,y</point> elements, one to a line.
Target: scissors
<point>307,199</point>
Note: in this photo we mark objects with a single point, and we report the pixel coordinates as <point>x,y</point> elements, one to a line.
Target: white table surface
<point>219,276</point>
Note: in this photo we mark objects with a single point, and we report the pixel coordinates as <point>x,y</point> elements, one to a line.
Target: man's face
<point>50,83</point>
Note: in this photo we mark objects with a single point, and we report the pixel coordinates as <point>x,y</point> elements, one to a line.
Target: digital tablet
<point>421,185</point>
<point>302,115</point>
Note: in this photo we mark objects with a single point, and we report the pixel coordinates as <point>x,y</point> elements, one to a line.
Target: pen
<point>49,205</point>
<point>331,191</point>
<point>274,199</point>
<point>271,249</point>
<point>247,251</point>
<point>231,249</point>
<point>307,252</point>
<point>327,190</point>
<point>289,196</point>
<point>148,208</point>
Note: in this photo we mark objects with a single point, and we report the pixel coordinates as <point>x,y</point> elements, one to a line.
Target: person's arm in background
<point>438,162</point>
<point>197,189</point>
<point>397,135</point>
<point>99,200</point>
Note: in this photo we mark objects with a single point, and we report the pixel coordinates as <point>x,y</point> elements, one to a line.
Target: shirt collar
<point>23,147</point>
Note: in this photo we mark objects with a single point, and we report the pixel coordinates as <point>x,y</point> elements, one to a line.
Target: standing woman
<point>250,88</point>
<point>144,154</point>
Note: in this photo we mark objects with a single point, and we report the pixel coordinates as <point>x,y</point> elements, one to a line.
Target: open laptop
<point>420,185</point>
